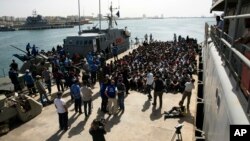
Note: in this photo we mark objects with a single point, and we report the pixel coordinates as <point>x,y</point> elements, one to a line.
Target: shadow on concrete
<point>73,118</point>
<point>95,96</point>
<point>57,136</point>
<point>100,114</point>
<point>187,118</point>
<point>78,129</point>
<point>110,122</point>
<point>146,106</point>
<point>156,113</point>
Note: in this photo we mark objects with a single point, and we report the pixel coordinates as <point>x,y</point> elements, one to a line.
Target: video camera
<point>101,122</point>
<point>178,128</point>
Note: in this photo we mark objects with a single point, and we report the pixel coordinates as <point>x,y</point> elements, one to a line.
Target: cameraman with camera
<point>97,130</point>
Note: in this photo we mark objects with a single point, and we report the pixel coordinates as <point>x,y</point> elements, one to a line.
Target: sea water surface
<point>161,29</point>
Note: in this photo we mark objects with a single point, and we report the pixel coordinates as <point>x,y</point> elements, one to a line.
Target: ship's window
<point>70,42</point>
<point>90,42</point>
<point>80,42</point>
<point>77,42</point>
<point>85,42</point>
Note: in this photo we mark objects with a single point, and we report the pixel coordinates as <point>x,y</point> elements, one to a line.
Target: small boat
<point>7,28</point>
<point>98,40</point>
<point>37,22</point>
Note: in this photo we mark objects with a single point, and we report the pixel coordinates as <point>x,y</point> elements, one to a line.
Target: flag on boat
<point>118,14</point>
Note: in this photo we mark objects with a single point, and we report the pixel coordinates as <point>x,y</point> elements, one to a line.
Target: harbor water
<point>161,29</point>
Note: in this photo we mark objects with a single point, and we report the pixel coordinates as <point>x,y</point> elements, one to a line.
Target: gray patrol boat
<point>97,39</point>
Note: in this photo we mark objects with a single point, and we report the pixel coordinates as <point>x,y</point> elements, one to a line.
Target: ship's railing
<point>237,16</point>
<point>230,55</point>
<point>233,56</point>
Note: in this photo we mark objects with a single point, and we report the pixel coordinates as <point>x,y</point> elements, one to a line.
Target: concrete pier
<point>139,122</point>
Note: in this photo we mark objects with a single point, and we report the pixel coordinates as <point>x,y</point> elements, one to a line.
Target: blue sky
<point>128,8</point>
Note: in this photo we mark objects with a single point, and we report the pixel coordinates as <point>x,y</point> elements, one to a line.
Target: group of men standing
<point>81,93</point>
<point>157,84</point>
<point>112,95</point>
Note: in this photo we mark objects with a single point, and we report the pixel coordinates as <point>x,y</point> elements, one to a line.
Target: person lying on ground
<point>175,111</point>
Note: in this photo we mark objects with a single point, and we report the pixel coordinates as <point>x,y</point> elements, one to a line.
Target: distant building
<point>72,18</point>
<point>144,16</point>
<point>156,17</point>
<point>20,19</point>
<point>89,17</point>
<point>8,18</point>
<point>56,19</point>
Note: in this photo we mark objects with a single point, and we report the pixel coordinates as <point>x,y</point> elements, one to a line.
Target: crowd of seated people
<point>173,61</point>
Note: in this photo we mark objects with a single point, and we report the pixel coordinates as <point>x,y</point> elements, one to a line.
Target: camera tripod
<point>178,133</point>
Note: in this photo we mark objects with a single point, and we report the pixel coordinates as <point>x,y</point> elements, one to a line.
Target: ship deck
<point>139,121</point>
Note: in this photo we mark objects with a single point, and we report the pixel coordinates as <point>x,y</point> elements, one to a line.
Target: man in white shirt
<point>187,92</point>
<point>149,83</point>
<point>62,111</point>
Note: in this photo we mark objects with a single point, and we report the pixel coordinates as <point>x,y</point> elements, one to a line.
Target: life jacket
<point>111,91</point>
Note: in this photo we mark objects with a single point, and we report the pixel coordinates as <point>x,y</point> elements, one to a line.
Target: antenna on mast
<point>34,13</point>
<point>100,15</point>
<point>111,17</point>
<point>79,33</point>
